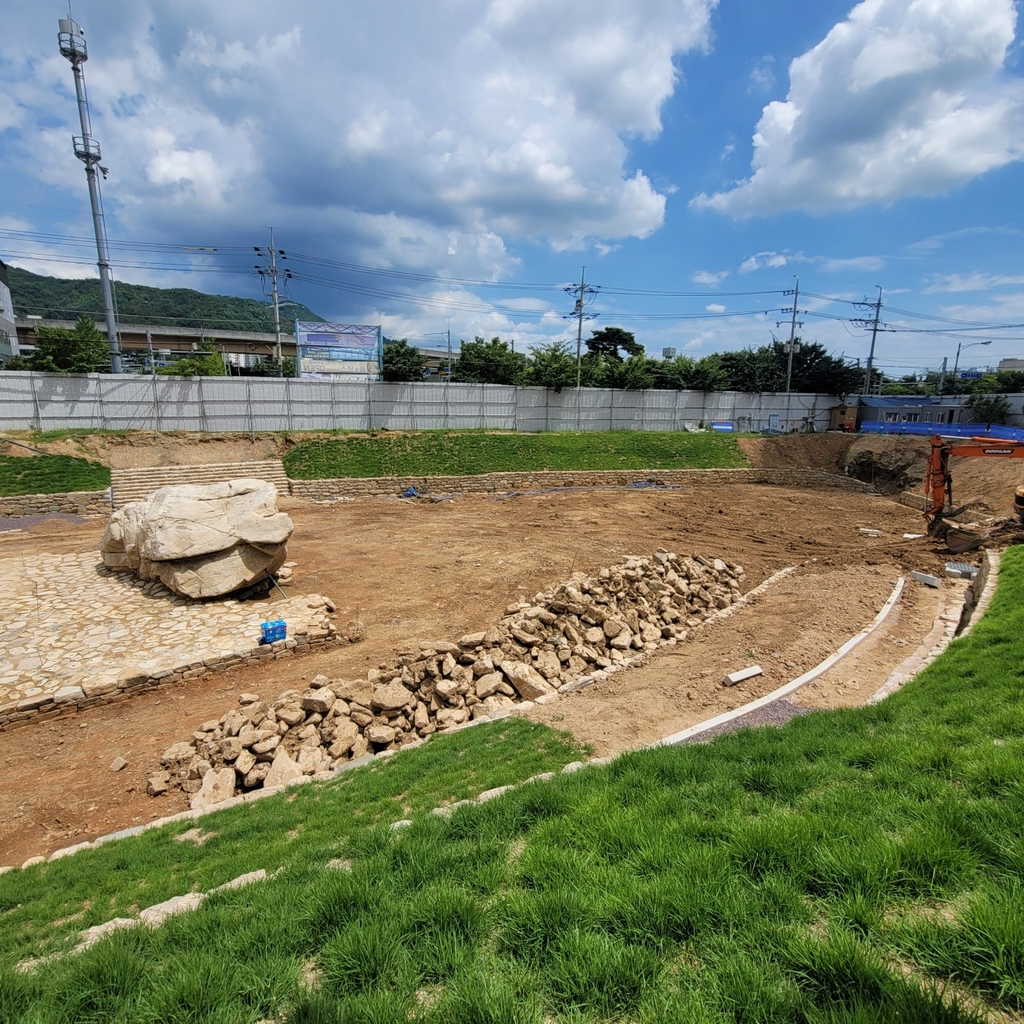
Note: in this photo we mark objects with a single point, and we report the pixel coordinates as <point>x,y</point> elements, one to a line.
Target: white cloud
<point>867,264</point>
<point>504,118</point>
<point>762,75</point>
<point>903,98</point>
<point>709,277</point>
<point>761,260</point>
<point>976,282</point>
<point>715,307</point>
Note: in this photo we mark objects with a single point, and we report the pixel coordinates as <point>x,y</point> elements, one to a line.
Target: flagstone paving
<point>67,620</point>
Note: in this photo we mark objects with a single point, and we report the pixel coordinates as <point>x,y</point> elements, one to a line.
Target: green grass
<point>438,453</point>
<point>50,474</point>
<point>855,866</point>
<point>66,432</point>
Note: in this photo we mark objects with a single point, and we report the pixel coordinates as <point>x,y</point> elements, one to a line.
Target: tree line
<point>614,359</point>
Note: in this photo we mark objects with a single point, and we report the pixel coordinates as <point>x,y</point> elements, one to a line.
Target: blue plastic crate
<point>272,631</point>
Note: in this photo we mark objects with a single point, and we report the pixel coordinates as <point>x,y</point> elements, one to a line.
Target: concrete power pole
<point>71,41</point>
<point>792,337</point>
<point>277,305</point>
<point>874,334</point>
<point>273,272</point>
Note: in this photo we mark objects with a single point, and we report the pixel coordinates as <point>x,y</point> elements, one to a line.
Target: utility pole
<point>942,377</point>
<point>874,334</point>
<point>273,272</point>
<point>578,314</point>
<point>581,291</point>
<point>876,325</point>
<point>71,41</point>
<point>791,347</point>
<point>277,306</point>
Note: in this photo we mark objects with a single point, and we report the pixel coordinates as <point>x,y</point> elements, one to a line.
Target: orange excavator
<point>938,486</point>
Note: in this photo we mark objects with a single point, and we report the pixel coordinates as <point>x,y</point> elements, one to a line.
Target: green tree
<point>59,350</point>
<point>753,370</point>
<point>1010,380</point>
<point>815,371</point>
<point>553,366</point>
<point>686,374</point>
<point>490,362</point>
<point>204,362</point>
<point>402,361</point>
<point>267,367</point>
<point>637,373</point>
<point>989,409</point>
<point>608,341</point>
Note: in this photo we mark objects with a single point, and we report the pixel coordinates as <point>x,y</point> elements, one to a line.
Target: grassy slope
<point>50,474</point>
<point>444,452</point>
<point>842,869</point>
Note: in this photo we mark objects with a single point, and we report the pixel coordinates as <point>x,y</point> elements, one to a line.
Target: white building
<point>8,331</point>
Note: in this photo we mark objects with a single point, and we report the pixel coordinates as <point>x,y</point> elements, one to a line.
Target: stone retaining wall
<point>498,483</point>
<point>78,503</point>
<point>73,699</point>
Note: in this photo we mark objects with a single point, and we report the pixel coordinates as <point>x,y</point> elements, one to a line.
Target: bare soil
<point>414,571</point>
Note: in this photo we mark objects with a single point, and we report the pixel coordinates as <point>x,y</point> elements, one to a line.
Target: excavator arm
<point>938,482</point>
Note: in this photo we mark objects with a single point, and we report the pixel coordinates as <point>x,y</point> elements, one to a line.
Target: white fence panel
<point>248,404</point>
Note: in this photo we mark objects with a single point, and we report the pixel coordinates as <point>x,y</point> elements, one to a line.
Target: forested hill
<point>61,299</point>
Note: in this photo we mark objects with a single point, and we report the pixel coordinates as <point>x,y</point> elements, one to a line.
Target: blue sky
<point>471,156</point>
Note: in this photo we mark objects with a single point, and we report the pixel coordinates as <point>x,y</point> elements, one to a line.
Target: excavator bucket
<point>959,540</point>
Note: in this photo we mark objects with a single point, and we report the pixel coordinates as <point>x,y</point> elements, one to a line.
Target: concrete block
<point>741,674</point>
<point>927,579</point>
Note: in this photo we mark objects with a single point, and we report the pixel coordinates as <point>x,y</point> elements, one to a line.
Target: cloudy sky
<point>461,160</point>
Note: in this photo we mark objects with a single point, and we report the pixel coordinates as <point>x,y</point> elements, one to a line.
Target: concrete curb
<point>729,716</point>
<point>943,632</point>
<point>259,794</point>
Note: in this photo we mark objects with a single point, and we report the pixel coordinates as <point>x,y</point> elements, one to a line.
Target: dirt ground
<point>419,571</point>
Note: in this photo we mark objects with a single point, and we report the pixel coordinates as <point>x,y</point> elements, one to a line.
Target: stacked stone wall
<point>499,483</point>
<point>72,699</point>
<point>78,503</point>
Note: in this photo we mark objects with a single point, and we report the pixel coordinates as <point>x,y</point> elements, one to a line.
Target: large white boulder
<point>200,541</point>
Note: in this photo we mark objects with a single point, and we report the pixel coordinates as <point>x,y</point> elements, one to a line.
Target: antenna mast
<point>71,41</point>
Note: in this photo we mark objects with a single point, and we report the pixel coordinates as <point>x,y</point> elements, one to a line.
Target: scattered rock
<point>118,763</point>
<point>217,786</point>
<point>157,784</point>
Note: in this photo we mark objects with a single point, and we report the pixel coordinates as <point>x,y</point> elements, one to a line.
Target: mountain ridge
<point>59,298</point>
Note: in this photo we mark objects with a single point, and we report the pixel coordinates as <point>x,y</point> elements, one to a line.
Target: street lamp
<point>970,344</point>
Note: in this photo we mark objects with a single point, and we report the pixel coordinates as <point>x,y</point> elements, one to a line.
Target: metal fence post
<point>99,399</point>
<point>202,405</point>
<point>334,415</point>
<point>35,401</point>
<point>611,410</point>
<point>248,408</point>
<point>369,405</point>
<point>288,402</point>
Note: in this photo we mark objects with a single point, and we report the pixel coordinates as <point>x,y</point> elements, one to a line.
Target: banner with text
<point>352,352</point>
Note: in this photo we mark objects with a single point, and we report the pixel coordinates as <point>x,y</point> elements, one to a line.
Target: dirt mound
<point>143,448</point>
<point>890,464</point>
<point>823,452</point>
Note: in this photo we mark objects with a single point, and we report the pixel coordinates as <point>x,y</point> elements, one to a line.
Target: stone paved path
<point>66,620</point>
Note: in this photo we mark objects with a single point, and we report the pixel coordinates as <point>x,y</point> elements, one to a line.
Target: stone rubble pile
<point>539,648</point>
